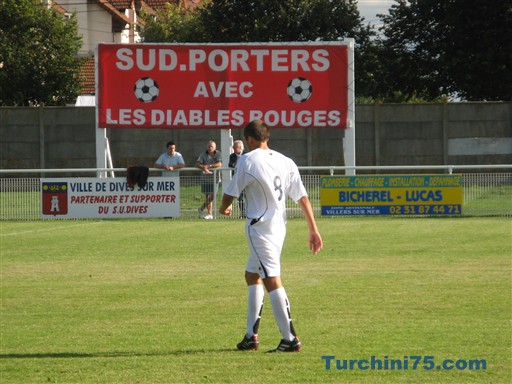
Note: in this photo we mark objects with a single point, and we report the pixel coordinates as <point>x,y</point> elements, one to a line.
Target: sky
<point>370,8</point>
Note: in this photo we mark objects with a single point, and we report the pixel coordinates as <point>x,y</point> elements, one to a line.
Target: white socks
<point>254,308</point>
<point>281,310</point>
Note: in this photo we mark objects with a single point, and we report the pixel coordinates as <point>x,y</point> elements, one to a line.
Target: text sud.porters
<point>220,60</point>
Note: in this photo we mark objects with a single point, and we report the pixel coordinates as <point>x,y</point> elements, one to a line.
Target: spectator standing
<point>238,151</point>
<point>170,161</point>
<point>207,161</point>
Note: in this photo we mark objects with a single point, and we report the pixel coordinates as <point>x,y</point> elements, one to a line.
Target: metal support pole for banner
<point>349,142</point>
<point>101,133</point>
<point>226,144</point>
<point>101,151</point>
<point>108,154</point>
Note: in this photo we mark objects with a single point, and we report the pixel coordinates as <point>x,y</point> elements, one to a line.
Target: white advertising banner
<point>100,198</point>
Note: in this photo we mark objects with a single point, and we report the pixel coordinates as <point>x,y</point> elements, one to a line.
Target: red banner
<point>222,85</point>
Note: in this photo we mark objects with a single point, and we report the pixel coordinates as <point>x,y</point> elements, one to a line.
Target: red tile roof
<point>88,76</point>
<point>159,4</point>
<point>116,9</point>
<point>121,4</point>
<point>109,7</point>
<point>57,7</point>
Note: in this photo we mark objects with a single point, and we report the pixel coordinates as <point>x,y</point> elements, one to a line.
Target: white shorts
<point>265,249</point>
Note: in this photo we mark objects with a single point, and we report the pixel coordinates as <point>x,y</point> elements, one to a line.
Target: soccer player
<point>268,178</point>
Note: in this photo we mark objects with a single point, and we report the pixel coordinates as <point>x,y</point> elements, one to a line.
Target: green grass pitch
<point>164,301</point>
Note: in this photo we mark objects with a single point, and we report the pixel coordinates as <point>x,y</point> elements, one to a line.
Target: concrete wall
<point>388,134</point>
<point>432,134</point>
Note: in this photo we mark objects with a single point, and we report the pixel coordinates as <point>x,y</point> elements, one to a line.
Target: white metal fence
<point>487,190</point>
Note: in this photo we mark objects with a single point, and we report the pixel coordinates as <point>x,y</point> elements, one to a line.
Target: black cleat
<point>288,346</point>
<point>249,343</point>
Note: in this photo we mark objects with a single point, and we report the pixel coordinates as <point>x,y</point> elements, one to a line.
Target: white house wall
<point>94,24</point>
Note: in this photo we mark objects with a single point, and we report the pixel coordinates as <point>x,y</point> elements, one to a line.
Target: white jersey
<point>268,179</point>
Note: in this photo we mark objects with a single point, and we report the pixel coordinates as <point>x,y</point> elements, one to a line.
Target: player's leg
<point>265,246</point>
<point>255,298</point>
<point>253,274</point>
<point>282,314</point>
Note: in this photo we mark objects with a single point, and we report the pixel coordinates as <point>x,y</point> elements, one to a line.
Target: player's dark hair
<point>258,130</point>
<point>169,143</point>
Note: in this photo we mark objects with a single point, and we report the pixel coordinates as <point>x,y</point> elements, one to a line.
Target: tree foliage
<point>225,21</point>
<point>436,48</point>
<point>38,50</point>
<point>173,24</point>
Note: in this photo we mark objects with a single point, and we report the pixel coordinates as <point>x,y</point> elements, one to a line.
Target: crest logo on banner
<point>55,198</point>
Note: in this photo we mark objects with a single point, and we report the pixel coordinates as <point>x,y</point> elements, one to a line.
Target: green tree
<point>478,52</point>
<point>38,50</point>
<point>224,21</point>
<point>173,24</point>
<point>436,48</point>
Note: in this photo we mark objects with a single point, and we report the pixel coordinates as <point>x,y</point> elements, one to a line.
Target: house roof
<point>115,12</point>
<point>58,8</point>
<point>121,4</point>
<point>154,4</point>
<point>87,73</point>
<point>159,4</point>
<point>116,8</point>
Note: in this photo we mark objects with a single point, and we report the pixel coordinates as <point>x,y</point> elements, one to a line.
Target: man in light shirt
<point>170,161</point>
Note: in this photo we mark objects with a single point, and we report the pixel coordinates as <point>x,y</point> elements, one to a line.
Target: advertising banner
<point>99,198</point>
<point>391,195</point>
<point>222,85</point>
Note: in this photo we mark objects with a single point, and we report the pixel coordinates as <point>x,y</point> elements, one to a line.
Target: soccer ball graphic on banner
<point>146,89</point>
<point>299,89</point>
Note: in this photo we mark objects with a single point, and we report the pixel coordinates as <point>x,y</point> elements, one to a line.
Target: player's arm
<point>315,240</point>
<point>225,206</point>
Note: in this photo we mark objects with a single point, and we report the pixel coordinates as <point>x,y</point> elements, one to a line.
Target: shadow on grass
<point>71,355</point>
